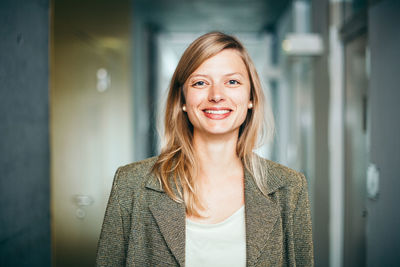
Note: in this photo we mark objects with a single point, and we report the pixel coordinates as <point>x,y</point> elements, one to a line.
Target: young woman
<point>207,199</point>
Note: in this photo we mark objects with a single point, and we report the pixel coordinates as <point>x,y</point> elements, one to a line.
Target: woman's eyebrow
<point>198,75</point>
<point>234,73</point>
<point>207,76</point>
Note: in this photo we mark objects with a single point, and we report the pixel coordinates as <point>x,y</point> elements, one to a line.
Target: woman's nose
<point>215,93</point>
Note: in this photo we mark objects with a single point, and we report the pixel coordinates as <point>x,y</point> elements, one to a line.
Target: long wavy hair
<point>177,166</point>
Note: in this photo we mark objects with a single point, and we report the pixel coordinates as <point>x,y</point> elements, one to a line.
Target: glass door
<point>356,152</point>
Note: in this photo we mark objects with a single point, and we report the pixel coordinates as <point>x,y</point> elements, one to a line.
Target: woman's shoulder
<point>139,167</point>
<point>278,173</point>
<point>135,174</point>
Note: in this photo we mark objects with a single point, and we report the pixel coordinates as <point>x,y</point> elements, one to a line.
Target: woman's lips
<point>217,114</point>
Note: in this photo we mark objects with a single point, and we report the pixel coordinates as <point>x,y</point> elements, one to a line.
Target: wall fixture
<point>303,44</point>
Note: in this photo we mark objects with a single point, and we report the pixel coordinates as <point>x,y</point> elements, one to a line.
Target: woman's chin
<point>217,131</point>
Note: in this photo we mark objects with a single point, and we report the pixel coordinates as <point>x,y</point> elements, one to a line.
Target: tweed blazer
<point>143,226</point>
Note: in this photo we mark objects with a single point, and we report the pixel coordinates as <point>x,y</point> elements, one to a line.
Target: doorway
<point>356,150</point>
<point>90,122</point>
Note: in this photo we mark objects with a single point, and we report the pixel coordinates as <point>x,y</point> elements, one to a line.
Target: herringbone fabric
<point>144,227</point>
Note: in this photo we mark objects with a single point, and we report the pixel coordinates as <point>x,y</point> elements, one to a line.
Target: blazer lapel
<point>170,218</point>
<point>261,213</point>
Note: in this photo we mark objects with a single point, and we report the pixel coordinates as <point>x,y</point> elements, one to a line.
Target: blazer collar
<point>170,217</point>
<point>273,182</point>
<point>261,214</point>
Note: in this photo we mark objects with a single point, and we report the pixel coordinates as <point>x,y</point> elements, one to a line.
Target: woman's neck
<point>217,155</point>
<point>220,178</point>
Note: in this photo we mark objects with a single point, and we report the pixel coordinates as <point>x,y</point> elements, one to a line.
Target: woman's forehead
<point>227,62</point>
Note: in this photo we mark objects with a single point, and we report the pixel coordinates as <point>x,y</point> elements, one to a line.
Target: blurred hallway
<point>82,87</point>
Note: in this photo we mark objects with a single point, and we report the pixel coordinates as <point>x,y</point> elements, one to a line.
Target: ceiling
<point>207,15</point>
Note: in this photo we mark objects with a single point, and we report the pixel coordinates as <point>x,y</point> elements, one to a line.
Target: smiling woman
<point>217,95</point>
<point>208,199</point>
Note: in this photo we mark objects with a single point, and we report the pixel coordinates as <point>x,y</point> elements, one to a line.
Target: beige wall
<point>91,130</point>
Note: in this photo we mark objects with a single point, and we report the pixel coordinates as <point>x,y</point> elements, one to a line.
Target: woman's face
<point>217,94</point>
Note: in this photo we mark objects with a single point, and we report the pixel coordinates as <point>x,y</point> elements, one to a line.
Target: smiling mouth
<point>219,112</point>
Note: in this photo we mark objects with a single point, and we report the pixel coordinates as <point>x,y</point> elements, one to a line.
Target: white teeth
<point>223,111</point>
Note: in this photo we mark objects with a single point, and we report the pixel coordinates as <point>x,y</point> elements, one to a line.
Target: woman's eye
<point>199,83</point>
<point>233,82</point>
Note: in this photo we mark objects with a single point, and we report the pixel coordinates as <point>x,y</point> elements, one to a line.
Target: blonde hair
<point>176,163</point>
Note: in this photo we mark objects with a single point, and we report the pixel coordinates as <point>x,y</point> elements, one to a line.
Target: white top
<point>220,244</point>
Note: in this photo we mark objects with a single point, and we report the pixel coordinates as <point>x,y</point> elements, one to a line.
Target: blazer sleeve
<point>111,245</point>
<point>303,244</point>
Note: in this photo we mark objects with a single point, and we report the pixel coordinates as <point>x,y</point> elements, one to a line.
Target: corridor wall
<point>24,136</point>
<point>383,234</point>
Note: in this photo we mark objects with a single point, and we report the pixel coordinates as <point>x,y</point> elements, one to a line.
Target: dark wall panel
<point>24,135</point>
<point>320,25</point>
<point>383,234</point>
